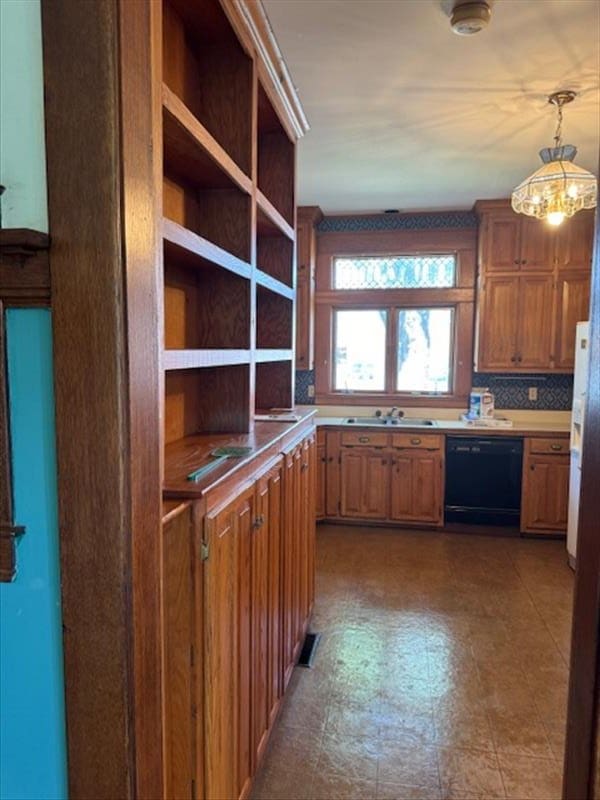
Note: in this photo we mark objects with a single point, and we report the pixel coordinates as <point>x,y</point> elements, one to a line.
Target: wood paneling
<point>107,390</point>
<point>275,384</point>
<point>572,306</point>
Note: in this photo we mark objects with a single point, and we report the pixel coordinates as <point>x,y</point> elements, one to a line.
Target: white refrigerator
<point>577,424</point>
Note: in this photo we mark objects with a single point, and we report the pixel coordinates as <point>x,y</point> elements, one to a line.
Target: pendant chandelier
<point>559,188</point>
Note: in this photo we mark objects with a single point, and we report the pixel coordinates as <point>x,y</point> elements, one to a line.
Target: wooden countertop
<point>186,455</point>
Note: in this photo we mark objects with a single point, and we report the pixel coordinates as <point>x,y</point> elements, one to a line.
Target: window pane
<point>360,350</point>
<point>425,345</point>
<point>395,272</point>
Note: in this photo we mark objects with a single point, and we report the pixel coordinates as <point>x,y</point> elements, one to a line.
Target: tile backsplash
<point>555,392</point>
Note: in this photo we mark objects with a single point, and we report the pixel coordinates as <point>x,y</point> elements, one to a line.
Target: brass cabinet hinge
<point>204,552</point>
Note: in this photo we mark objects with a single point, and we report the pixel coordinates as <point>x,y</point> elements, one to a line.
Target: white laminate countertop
<point>448,425</point>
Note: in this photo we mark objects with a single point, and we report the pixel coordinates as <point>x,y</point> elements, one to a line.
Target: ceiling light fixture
<point>559,188</point>
<point>470,17</point>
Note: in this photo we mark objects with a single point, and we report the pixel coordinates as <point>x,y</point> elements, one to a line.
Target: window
<point>425,345</point>
<point>395,272</point>
<point>360,338</point>
<point>395,326</point>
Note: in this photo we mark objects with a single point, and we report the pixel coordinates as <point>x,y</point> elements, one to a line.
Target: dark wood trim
<point>7,545</point>
<point>141,107</point>
<point>583,733</point>
<point>462,242</point>
<point>24,267</point>
<point>102,227</point>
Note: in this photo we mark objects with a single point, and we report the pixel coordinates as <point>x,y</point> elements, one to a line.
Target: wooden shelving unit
<point>228,225</point>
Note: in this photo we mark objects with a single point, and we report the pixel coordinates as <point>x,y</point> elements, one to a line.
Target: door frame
<point>582,751</point>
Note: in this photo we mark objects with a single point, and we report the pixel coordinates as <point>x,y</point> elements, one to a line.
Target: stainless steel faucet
<point>395,413</point>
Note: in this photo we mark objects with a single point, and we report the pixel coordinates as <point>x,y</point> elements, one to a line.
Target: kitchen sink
<point>388,422</point>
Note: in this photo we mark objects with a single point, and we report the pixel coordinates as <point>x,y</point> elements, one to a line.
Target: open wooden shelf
<point>270,222</point>
<point>274,321</point>
<point>276,159</point>
<point>195,359</point>
<point>274,285</point>
<point>190,144</point>
<point>207,68</point>
<point>263,356</point>
<point>207,400</point>
<point>274,384</point>
<point>205,309</point>
<point>188,249</point>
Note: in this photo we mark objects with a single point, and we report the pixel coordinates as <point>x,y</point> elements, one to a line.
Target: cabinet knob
<point>259,521</point>
<point>415,441</point>
<point>513,358</point>
<point>324,460</point>
<point>556,447</point>
<point>383,461</point>
<point>517,261</point>
<point>330,459</point>
<point>532,467</point>
<point>304,467</point>
<point>523,261</point>
<point>364,439</point>
<point>519,358</point>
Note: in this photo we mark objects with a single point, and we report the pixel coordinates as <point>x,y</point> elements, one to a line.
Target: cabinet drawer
<point>409,440</point>
<point>557,446</point>
<point>365,439</point>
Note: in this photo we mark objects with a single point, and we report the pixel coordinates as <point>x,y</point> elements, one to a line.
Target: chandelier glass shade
<point>559,188</point>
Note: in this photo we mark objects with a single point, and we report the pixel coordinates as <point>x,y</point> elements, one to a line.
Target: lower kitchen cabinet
<point>416,486</point>
<point>321,475</point>
<point>238,589</point>
<point>364,478</point>
<point>545,490</point>
<point>384,477</point>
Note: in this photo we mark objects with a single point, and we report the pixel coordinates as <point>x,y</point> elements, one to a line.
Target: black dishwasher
<point>483,480</point>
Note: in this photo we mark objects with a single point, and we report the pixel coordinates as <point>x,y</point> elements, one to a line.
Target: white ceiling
<point>406,114</point>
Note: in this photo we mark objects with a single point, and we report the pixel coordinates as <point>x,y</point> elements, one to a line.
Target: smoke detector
<point>470,17</point>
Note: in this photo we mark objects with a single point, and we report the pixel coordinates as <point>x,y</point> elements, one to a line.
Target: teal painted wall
<point>32,742</point>
<point>32,725</point>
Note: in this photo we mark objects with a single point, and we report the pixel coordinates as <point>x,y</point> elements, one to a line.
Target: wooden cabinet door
<point>534,339</point>
<point>364,483</point>
<point>572,306</point>
<point>321,478</point>
<point>332,476</point>
<point>305,293</point>
<point>416,486</point>
<point>290,585</point>
<point>537,245</point>
<point>498,323</point>
<point>227,648</point>
<point>311,531</point>
<point>500,245</point>
<point>182,658</point>
<point>265,609</point>
<point>574,242</point>
<point>545,493</point>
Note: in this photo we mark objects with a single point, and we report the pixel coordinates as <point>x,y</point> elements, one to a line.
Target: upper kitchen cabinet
<point>533,288</point>
<point>509,242</point>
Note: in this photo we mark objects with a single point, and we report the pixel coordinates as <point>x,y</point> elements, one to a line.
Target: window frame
<point>460,297</point>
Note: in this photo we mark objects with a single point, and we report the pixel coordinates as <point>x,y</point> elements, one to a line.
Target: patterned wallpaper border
<point>392,222</point>
<point>555,392</point>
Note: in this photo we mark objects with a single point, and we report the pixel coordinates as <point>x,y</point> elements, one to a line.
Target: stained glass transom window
<point>395,272</point>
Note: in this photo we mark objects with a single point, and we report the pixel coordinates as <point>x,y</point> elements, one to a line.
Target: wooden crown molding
<point>250,20</point>
<point>24,267</point>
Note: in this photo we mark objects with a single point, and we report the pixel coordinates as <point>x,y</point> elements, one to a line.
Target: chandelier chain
<point>558,134</point>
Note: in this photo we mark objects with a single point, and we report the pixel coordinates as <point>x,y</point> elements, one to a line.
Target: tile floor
<point>441,672</point>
